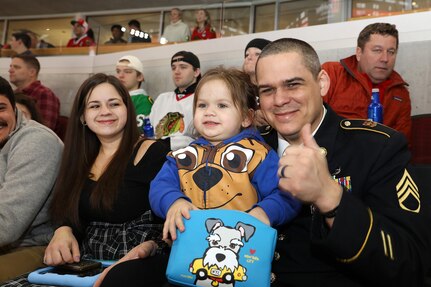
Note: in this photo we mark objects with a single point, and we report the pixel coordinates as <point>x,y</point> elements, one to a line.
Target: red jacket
<point>350,94</point>
<point>84,41</point>
<point>207,33</point>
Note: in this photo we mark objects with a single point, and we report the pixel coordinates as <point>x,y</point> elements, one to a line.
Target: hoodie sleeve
<point>165,188</point>
<point>280,207</point>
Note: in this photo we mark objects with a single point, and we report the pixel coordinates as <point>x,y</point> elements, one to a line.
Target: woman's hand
<point>143,250</point>
<point>174,218</point>
<point>63,248</point>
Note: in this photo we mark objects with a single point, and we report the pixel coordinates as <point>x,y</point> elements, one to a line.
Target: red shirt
<point>46,101</point>
<point>84,41</point>
<point>207,33</point>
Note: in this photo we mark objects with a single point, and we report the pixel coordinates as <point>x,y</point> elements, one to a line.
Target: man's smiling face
<point>7,119</point>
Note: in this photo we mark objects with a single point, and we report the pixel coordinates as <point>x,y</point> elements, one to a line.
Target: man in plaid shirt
<point>23,73</point>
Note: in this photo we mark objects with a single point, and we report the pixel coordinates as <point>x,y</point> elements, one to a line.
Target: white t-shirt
<point>177,116</point>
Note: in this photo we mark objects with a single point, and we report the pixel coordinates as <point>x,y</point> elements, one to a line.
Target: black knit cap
<point>257,43</point>
<point>188,57</point>
<point>6,90</point>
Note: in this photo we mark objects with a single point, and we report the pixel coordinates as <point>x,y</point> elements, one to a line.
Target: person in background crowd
<point>81,38</point>
<point>364,221</point>
<point>177,30</point>
<point>23,73</point>
<point>353,78</point>
<point>203,29</point>
<point>172,112</point>
<point>130,71</point>
<point>100,200</point>
<point>251,54</point>
<point>30,156</point>
<point>36,43</point>
<point>21,43</point>
<point>136,33</point>
<point>28,108</point>
<point>117,35</point>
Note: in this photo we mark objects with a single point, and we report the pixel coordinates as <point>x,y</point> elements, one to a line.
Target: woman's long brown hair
<point>81,148</point>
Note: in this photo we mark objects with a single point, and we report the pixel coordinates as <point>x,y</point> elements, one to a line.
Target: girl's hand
<point>174,218</point>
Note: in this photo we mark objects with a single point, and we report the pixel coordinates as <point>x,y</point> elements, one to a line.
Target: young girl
<point>229,166</point>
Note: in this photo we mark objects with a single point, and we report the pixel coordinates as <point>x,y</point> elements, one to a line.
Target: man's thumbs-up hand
<point>304,173</point>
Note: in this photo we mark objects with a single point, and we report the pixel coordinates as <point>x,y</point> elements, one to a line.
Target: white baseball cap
<point>134,63</point>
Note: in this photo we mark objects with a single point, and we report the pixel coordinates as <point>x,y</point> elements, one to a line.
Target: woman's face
<point>105,112</point>
<point>200,16</point>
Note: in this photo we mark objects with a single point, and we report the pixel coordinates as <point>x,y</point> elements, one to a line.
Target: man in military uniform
<point>364,222</point>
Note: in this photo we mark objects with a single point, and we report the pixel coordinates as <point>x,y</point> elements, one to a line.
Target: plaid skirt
<point>108,241</point>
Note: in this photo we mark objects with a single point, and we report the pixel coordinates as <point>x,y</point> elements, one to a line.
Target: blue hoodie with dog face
<point>239,173</point>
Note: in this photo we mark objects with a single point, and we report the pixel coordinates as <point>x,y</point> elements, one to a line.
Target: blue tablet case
<point>222,247</point>
<point>42,276</point>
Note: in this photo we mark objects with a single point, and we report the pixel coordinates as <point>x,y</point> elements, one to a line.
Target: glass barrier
<point>1,30</point>
<point>308,13</point>
<point>264,18</point>
<point>361,9</point>
<point>149,23</point>
<point>226,20</point>
<point>55,31</point>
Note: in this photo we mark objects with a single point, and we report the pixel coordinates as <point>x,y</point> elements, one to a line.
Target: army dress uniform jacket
<point>381,234</point>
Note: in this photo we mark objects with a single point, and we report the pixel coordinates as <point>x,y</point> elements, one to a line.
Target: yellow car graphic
<point>217,275</point>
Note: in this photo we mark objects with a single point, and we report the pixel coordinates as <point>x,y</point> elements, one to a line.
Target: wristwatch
<point>330,214</point>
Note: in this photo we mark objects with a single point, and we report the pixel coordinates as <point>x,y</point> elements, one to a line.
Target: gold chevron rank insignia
<point>408,193</point>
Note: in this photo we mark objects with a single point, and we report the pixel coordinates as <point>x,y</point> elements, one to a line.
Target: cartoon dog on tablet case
<point>220,266</point>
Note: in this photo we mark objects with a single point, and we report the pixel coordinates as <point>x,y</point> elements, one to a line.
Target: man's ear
<point>33,72</point>
<point>197,72</point>
<point>324,82</point>
<point>140,77</point>
<point>358,53</point>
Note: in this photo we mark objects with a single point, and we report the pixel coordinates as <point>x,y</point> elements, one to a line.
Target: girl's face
<point>105,112</point>
<point>200,16</point>
<point>216,117</point>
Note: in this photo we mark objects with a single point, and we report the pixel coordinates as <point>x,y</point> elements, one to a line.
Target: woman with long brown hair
<point>100,199</point>
<point>203,29</point>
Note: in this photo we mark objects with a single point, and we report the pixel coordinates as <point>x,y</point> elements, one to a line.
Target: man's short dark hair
<point>116,26</point>
<point>6,90</point>
<point>25,39</point>
<point>30,60</point>
<point>309,56</point>
<point>135,23</point>
<point>383,29</point>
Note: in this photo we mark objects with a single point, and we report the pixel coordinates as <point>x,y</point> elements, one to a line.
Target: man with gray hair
<point>30,154</point>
